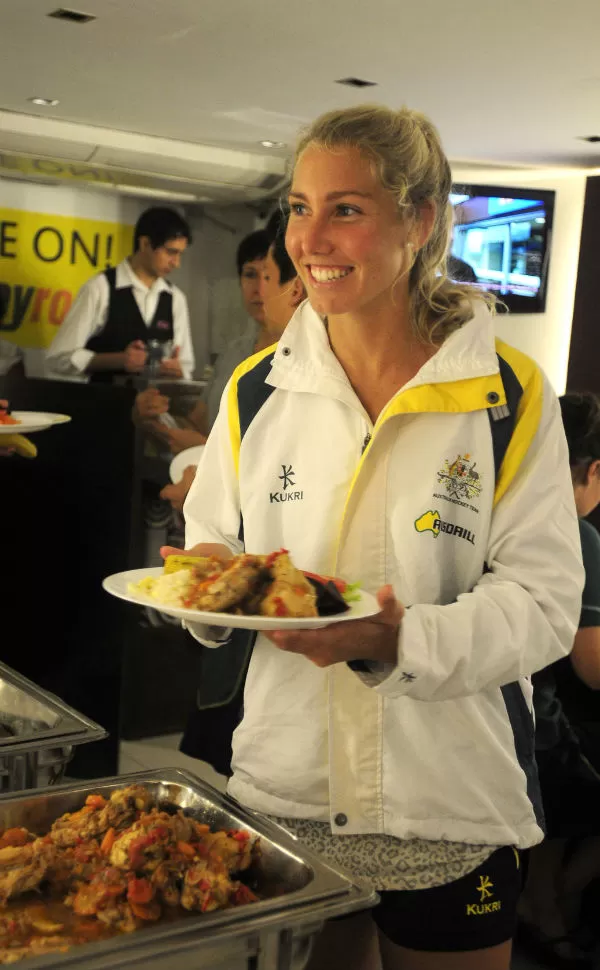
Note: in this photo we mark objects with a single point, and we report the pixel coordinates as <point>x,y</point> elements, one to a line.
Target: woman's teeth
<point>323,274</point>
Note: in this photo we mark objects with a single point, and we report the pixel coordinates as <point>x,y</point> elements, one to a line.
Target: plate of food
<point>26,422</point>
<point>249,592</point>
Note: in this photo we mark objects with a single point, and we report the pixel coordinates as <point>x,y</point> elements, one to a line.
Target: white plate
<point>191,456</point>
<point>59,418</point>
<point>117,586</point>
<point>30,421</point>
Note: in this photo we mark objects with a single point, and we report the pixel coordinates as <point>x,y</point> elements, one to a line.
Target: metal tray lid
<point>33,717</point>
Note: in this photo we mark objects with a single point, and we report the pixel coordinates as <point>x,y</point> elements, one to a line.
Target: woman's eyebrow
<point>331,196</point>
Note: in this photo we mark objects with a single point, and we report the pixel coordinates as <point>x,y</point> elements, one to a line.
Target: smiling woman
<point>400,746</point>
<point>390,223</point>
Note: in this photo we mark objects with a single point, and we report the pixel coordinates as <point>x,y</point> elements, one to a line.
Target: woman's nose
<point>316,237</point>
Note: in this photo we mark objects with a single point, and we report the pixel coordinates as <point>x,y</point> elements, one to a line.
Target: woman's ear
<point>593,471</point>
<point>298,292</point>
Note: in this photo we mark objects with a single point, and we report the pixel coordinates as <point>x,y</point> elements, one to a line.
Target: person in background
<point>151,403</point>
<point>280,293</point>
<point>567,744</point>
<point>400,745</point>
<point>578,676</point>
<point>123,312</point>
<point>460,271</point>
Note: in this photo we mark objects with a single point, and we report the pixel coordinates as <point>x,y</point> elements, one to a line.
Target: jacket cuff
<point>373,673</point>
<point>80,359</point>
<point>396,680</point>
<point>409,667</point>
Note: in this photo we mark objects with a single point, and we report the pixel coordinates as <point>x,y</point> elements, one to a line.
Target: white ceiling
<point>513,81</point>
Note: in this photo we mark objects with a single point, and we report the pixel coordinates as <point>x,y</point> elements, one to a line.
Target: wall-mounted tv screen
<point>501,242</point>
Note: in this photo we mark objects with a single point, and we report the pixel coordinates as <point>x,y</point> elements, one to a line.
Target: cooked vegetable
<point>110,867</point>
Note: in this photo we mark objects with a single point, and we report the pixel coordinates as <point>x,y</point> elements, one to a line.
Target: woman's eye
<point>347,210</point>
<point>297,208</point>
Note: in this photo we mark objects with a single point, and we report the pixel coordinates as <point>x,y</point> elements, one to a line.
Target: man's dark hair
<point>581,420</point>
<point>287,270</point>
<point>160,224</point>
<point>253,246</point>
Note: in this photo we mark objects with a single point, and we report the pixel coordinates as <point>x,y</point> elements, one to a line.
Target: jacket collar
<point>304,360</point>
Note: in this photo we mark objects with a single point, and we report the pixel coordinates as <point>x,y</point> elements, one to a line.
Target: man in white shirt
<point>120,313</point>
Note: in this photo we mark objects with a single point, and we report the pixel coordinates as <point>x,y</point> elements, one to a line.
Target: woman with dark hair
<point>568,729</point>
<point>578,676</point>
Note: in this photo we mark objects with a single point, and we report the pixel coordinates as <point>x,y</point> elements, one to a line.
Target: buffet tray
<point>36,717</point>
<point>298,890</point>
<point>37,733</point>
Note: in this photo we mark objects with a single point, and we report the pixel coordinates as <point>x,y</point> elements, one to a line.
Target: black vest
<point>124,324</point>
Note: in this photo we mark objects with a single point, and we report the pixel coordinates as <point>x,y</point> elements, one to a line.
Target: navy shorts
<point>472,913</point>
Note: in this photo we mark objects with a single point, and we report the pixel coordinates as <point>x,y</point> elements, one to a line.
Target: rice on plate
<point>168,589</point>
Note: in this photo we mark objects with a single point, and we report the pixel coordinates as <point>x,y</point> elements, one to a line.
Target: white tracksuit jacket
<point>439,746</point>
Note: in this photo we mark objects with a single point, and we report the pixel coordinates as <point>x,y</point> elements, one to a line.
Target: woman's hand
<point>373,639</point>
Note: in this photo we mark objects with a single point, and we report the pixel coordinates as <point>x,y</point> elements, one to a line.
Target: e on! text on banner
<point>44,260</point>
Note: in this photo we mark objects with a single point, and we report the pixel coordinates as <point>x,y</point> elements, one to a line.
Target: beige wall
<point>545,336</point>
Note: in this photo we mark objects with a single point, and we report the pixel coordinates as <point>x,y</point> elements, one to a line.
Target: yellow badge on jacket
<point>428,522</point>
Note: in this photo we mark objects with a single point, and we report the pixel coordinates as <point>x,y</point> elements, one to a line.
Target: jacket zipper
<point>366,442</point>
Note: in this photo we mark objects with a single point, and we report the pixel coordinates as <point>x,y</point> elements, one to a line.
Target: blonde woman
<point>400,747</point>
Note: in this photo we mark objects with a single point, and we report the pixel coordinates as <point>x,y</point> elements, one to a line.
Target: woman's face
<point>250,286</point>
<point>345,234</point>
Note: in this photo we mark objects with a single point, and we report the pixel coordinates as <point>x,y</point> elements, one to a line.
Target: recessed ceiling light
<point>45,102</point>
<point>74,16</point>
<point>272,144</point>
<point>356,82</point>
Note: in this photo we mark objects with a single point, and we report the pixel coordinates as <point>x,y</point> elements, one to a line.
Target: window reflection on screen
<point>502,240</point>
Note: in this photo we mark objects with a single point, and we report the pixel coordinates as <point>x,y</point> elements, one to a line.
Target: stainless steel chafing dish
<point>298,891</point>
<point>37,733</point>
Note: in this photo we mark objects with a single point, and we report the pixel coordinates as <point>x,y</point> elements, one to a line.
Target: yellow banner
<point>44,260</point>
